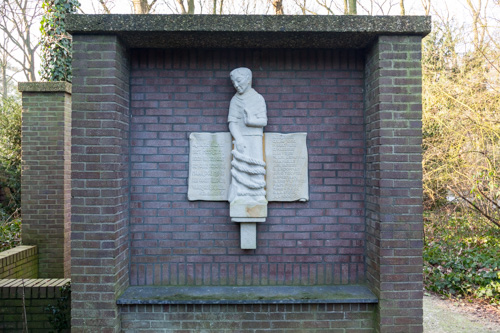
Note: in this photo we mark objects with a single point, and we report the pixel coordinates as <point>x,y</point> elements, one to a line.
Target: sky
<point>391,7</point>
<point>442,9</point>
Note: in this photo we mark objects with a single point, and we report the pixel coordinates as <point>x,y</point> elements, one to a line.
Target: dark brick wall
<point>333,318</point>
<point>100,182</point>
<point>394,182</point>
<point>46,169</point>
<point>177,242</point>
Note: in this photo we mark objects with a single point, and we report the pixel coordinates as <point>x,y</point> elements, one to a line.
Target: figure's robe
<point>247,113</point>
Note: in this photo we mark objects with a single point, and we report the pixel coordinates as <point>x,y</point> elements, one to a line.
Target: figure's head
<point>242,79</point>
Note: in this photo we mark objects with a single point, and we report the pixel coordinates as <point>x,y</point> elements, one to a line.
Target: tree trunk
<point>214,11</point>
<point>402,6</point>
<point>31,69</point>
<point>190,7</point>
<point>278,7</point>
<point>476,25</point>
<point>140,6</point>
<point>303,8</point>
<point>183,9</point>
<point>4,80</point>
<point>346,7</point>
<point>427,6</point>
<point>352,7</point>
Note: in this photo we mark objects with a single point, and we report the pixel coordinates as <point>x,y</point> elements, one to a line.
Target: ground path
<point>446,316</point>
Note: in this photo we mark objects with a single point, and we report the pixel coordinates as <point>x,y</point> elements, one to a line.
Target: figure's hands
<point>239,147</point>
<point>237,138</point>
<point>255,119</point>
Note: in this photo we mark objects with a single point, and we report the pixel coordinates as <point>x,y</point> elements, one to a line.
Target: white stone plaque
<point>287,167</point>
<point>209,166</point>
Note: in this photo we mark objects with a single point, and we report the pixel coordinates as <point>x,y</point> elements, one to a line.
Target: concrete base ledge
<point>247,295</point>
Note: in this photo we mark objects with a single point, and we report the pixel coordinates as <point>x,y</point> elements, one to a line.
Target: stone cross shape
<point>247,167</point>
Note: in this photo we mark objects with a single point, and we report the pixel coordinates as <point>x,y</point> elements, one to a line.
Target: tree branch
<point>105,6</point>
<point>480,211</point>
<point>183,9</point>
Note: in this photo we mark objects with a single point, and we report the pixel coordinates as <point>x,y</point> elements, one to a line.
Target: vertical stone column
<point>100,181</point>
<point>46,168</point>
<point>394,181</point>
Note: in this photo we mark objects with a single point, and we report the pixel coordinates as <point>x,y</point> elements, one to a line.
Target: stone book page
<point>209,166</point>
<point>287,167</point>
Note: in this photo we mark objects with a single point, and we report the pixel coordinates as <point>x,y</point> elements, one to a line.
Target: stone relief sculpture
<point>232,166</point>
<point>247,118</point>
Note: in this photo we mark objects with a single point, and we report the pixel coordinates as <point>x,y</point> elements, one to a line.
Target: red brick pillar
<point>46,168</point>
<point>394,227</point>
<point>100,182</point>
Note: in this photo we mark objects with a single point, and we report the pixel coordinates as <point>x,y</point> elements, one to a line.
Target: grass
<point>461,256</point>
<point>10,230</point>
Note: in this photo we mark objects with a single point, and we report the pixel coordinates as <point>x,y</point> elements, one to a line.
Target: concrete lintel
<point>247,31</point>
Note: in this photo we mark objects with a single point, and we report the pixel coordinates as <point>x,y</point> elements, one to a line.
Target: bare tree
<point>304,7</point>
<point>220,5</point>
<point>427,6</point>
<point>136,6</point>
<point>381,7</point>
<point>327,6</point>
<point>105,6</point>
<point>278,7</point>
<point>479,23</point>
<point>143,6</point>
<point>5,67</point>
<point>190,6</point>
<point>402,7</point>
<point>17,20</point>
<point>369,10</point>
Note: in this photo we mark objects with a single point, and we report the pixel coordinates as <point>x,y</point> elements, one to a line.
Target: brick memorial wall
<point>177,242</point>
<point>142,84</point>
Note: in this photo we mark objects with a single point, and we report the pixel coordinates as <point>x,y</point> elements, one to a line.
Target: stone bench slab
<point>247,295</point>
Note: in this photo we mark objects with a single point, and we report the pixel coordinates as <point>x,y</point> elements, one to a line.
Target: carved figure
<point>247,118</point>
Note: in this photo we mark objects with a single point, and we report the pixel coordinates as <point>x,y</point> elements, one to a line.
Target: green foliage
<point>60,314</point>
<point>462,257</point>
<point>10,155</point>
<point>461,123</point>
<point>56,43</point>
<point>10,230</point>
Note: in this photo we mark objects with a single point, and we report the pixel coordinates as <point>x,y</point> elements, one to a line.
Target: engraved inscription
<point>209,166</point>
<point>287,173</point>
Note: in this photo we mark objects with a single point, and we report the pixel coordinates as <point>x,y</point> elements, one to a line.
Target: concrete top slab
<point>53,86</point>
<point>247,31</point>
<point>247,295</point>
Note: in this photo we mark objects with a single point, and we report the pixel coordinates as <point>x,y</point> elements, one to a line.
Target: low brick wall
<point>38,294</point>
<point>19,262</point>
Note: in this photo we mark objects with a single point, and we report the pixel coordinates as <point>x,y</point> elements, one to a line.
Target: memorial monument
<point>153,247</point>
<point>246,190</point>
